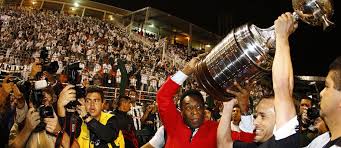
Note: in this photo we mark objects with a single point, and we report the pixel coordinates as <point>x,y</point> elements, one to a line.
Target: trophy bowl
<point>314,12</point>
<point>246,53</point>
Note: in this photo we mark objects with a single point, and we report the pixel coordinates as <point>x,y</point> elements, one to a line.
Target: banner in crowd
<point>11,68</point>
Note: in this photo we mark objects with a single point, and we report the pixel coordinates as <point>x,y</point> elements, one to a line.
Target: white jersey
<point>118,76</point>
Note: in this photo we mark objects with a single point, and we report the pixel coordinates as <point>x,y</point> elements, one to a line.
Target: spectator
<point>125,122</point>
<point>98,129</point>
<point>37,132</point>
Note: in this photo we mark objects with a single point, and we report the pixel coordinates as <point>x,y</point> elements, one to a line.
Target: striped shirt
<point>136,112</point>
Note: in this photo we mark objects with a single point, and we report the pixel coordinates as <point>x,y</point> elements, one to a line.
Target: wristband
<point>86,116</point>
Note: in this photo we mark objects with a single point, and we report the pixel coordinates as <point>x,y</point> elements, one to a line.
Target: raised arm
<point>165,95</point>
<point>224,139</point>
<point>282,71</point>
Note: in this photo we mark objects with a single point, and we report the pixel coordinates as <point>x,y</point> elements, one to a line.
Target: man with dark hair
<point>305,103</point>
<point>94,89</point>
<point>238,132</point>
<point>125,122</point>
<point>136,110</point>
<point>306,135</point>
<point>187,127</point>
<point>276,119</point>
<point>331,103</point>
<point>98,129</point>
<point>192,93</point>
<point>236,114</point>
<point>188,118</point>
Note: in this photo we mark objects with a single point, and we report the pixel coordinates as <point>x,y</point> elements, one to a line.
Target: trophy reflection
<point>246,53</point>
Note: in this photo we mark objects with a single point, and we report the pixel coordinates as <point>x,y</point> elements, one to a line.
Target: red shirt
<point>242,136</point>
<point>178,133</point>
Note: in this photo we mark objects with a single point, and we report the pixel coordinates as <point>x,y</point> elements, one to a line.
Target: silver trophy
<point>246,53</point>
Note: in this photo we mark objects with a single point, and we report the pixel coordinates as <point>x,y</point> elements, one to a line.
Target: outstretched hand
<point>242,95</point>
<point>285,25</point>
<point>189,68</point>
<point>228,106</point>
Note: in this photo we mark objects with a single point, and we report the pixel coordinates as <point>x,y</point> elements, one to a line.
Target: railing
<point>111,93</point>
<point>144,40</point>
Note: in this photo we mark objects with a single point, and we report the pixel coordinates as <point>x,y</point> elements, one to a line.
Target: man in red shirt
<point>187,127</point>
<point>241,130</point>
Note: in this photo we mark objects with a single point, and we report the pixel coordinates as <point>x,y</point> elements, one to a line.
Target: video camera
<point>74,78</point>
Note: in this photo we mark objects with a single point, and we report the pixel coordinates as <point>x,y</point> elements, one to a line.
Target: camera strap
<point>73,128</point>
<point>60,136</point>
<point>59,139</point>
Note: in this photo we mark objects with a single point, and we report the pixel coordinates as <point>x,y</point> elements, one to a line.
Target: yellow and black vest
<point>84,137</point>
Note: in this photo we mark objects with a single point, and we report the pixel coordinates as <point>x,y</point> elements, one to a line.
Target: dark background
<point>312,48</point>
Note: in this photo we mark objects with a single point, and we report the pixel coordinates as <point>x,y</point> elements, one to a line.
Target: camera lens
<point>46,112</point>
<point>313,113</point>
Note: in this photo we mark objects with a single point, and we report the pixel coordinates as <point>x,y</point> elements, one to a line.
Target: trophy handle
<point>327,24</point>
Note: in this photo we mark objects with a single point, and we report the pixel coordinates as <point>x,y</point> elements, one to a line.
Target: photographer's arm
<point>3,94</point>
<point>31,121</point>
<point>53,126</point>
<point>67,95</point>
<point>108,132</point>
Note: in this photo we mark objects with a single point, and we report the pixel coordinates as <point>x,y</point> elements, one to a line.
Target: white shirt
<point>288,129</point>
<point>319,141</point>
<point>144,79</point>
<point>118,76</point>
<point>158,140</point>
<point>136,112</point>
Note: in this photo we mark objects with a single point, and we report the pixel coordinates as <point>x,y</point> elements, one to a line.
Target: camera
<point>74,78</point>
<point>52,67</point>
<point>13,79</point>
<point>34,92</point>
<point>37,97</point>
<point>313,113</point>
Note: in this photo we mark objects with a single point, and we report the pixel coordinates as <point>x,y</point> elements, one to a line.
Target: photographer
<point>68,117</point>
<point>307,117</point>
<point>6,112</point>
<point>67,101</point>
<point>98,129</point>
<point>41,127</point>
